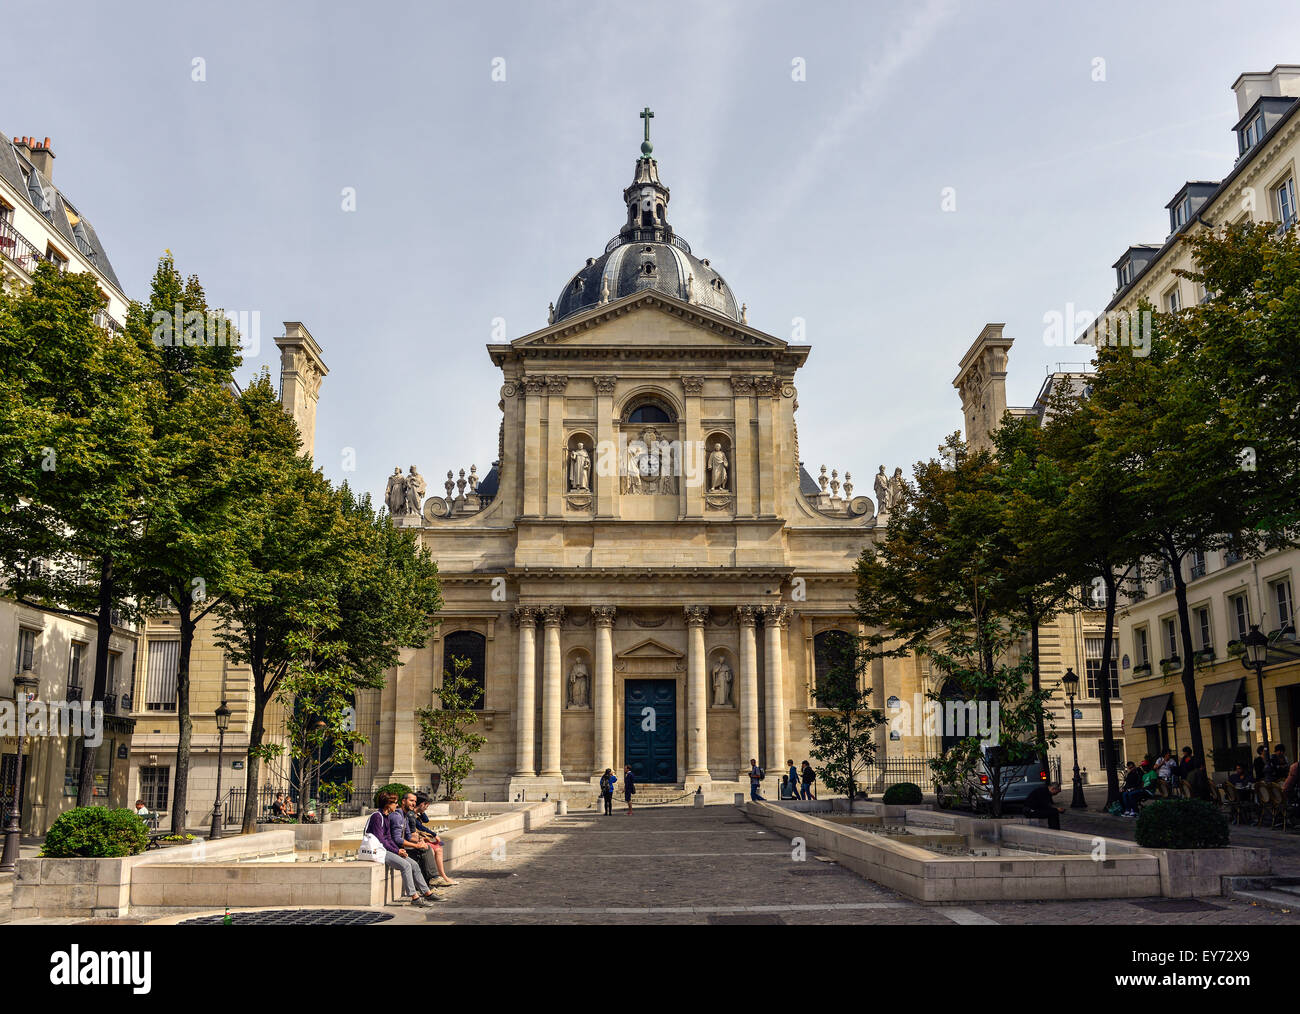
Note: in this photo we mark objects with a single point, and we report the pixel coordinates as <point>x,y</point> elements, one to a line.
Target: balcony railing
<point>649,234</point>
<point>16,247</point>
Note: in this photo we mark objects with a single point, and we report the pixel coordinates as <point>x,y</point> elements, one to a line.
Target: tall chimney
<point>41,156</point>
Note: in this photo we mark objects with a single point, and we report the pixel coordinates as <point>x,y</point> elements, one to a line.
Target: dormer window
<point>1252,133</point>
<point>1125,273</point>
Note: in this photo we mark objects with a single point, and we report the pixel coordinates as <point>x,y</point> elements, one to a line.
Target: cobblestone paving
<point>685,865</point>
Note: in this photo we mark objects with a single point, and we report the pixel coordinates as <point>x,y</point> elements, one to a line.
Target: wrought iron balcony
<point>74,692</point>
<point>16,247</point>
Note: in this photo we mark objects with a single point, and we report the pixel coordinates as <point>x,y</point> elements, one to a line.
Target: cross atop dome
<point>646,146</point>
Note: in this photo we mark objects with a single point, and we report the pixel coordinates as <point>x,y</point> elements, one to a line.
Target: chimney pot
<point>46,143</point>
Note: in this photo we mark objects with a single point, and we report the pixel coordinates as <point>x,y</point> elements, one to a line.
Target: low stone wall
<point>934,879</point>
<point>101,888</point>
<point>462,843</point>
<point>156,890</point>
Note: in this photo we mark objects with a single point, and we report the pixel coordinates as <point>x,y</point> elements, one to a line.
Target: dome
<point>647,254</point>
<point>631,266</point>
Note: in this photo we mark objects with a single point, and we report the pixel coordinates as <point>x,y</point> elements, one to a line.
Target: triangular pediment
<point>650,648</point>
<point>649,319</point>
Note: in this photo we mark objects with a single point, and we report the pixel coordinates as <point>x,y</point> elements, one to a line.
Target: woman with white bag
<point>377,845</point>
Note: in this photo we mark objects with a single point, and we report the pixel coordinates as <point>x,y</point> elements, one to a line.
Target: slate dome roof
<point>631,266</point>
<point>647,254</point>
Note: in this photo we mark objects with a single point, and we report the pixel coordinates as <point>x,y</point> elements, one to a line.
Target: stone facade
<point>645,521</point>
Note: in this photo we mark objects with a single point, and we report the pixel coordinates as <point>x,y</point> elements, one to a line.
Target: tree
<point>1162,424</point>
<point>77,468</point>
<point>844,740</point>
<point>317,551</point>
<point>191,542</point>
<point>447,737</point>
<point>318,692</point>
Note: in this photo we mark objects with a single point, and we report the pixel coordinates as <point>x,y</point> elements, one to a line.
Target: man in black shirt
<point>1039,804</point>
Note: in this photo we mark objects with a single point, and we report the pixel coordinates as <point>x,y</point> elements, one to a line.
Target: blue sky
<point>476,199</point>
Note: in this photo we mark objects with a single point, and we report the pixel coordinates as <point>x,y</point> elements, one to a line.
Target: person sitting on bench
<point>1039,804</point>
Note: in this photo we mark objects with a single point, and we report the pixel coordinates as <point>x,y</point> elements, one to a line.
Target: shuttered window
<point>164,659</point>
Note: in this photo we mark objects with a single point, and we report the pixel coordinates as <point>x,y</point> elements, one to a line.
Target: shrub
<point>902,794</point>
<point>1181,824</point>
<point>396,788</point>
<point>95,832</point>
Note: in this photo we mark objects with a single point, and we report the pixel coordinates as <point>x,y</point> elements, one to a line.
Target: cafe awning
<point>1220,698</point>
<point>1151,710</point>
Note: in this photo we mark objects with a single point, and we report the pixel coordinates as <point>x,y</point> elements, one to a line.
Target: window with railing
<point>75,659</point>
<point>1141,648</point>
<point>1166,579</point>
<point>1171,638</point>
<point>1198,564</point>
<point>1206,638</point>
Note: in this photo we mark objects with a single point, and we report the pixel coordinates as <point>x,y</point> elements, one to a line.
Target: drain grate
<point>1176,905</point>
<point>296,917</point>
<point>802,871</point>
<point>756,919</point>
<point>484,875</point>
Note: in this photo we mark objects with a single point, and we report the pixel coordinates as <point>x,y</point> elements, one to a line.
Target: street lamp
<point>223,723</point>
<point>1256,657</point>
<point>25,685</point>
<point>1070,684</point>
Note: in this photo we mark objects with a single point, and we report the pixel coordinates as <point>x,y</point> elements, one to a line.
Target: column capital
<point>552,616</point>
<point>556,385</point>
<point>696,616</point>
<point>534,385</point>
<point>776,615</point>
<point>603,615</point>
<point>747,616</point>
<point>693,385</point>
<point>605,383</point>
<point>526,615</point>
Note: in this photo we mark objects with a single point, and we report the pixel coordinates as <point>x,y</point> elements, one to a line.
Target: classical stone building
<point>646,573</point>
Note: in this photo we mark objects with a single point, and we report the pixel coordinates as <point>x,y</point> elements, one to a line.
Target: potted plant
<point>1142,670</point>
<point>1236,649</point>
<point>1170,665</point>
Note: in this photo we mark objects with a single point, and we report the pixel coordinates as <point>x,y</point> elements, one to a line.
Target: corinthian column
<point>774,618</point>
<point>525,618</point>
<point>602,698</point>
<point>697,696</point>
<point>746,617</point>
<point>552,690</point>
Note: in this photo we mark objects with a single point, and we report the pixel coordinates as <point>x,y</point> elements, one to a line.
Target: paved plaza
<point>714,865</point>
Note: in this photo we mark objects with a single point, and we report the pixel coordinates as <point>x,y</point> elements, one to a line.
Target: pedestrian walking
<point>629,787</point>
<point>755,779</point>
<point>809,780</point>
<point>607,781</point>
<point>792,780</point>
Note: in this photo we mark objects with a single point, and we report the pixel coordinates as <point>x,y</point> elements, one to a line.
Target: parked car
<point>1018,780</point>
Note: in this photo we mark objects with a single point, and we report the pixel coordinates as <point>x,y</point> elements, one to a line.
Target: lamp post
<point>223,723</point>
<point>1256,657</point>
<point>25,685</point>
<point>1070,683</point>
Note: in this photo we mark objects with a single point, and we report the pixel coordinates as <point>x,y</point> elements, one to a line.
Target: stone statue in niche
<point>718,470</point>
<point>722,680</point>
<point>580,469</point>
<point>579,685</point>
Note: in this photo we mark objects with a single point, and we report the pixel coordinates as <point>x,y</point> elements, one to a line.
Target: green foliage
<point>447,737</point>
<point>843,740</point>
<point>1181,824</point>
<point>902,794</point>
<point>396,788</point>
<point>95,832</point>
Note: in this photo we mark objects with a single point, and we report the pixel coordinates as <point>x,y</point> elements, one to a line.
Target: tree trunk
<point>253,776</point>
<point>1189,666</point>
<point>1107,732</point>
<point>1036,680</point>
<point>103,631</point>
<point>180,791</point>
